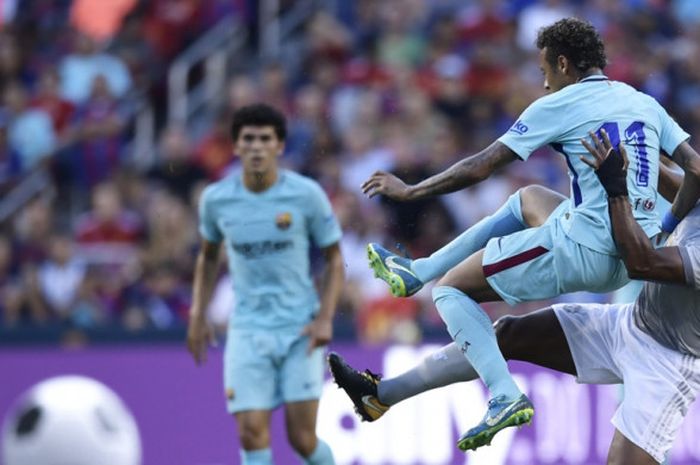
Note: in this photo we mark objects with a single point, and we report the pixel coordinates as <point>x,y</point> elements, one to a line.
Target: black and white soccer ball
<point>70,420</point>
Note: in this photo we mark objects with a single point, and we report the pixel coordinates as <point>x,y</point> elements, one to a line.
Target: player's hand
<point>382,183</point>
<point>199,337</point>
<point>610,164</point>
<point>320,333</point>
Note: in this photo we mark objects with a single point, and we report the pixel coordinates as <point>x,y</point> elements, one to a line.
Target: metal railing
<point>213,51</point>
<point>37,182</point>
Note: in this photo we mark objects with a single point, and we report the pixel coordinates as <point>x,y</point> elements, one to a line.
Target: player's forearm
<point>633,244</point>
<point>670,180</point>
<point>205,272</point>
<point>688,195</point>
<point>464,173</point>
<point>332,284</point>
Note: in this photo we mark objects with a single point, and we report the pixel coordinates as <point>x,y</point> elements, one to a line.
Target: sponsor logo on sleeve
<point>519,128</point>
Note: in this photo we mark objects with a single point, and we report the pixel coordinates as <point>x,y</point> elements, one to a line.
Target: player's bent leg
<point>625,452</point>
<point>537,203</point>
<point>472,330</point>
<point>536,338</point>
<point>300,418</point>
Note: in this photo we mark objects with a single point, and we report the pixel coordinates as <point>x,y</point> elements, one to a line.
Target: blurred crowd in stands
<point>408,86</point>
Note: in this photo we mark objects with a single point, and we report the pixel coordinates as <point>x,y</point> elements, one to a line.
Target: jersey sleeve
<point>671,135</point>
<point>540,124</point>
<point>691,264</point>
<point>207,223</point>
<point>323,225</point>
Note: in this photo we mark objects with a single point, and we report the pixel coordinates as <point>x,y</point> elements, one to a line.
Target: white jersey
<point>671,313</point>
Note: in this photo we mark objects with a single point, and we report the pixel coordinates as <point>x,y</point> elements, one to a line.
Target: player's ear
<point>562,64</point>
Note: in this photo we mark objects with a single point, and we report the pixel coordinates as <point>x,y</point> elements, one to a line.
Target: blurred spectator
<point>79,69</point>
<point>310,113</point>
<point>410,86</point>
<point>171,24</point>
<point>214,154</point>
<point>59,279</point>
<point>48,98</point>
<point>535,17</point>
<point>97,136</point>
<point>30,130</point>
<point>12,66</point>
<point>10,162</point>
<point>242,91</point>
<point>175,168</point>
<point>108,234</point>
<point>172,234</point>
<point>12,292</point>
<point>144,64</point>
<point>362,157</point>
<point>168,297</point>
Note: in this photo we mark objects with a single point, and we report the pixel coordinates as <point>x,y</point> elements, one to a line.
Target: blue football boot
<point>394,270</point>
<point>500,414</point>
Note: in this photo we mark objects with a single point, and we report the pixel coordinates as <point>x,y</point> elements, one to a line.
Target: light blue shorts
<point>541,263</point>
<point>264,369</point>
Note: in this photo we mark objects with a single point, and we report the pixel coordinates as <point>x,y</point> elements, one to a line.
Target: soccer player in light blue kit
<point>652,345</point>
<point>267,218</point>
<point>539,244</point>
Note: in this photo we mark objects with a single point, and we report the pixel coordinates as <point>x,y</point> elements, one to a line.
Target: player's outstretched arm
<point>199,334</point>
<point>642,260</point>
<point>320,330</point>
<point>464,173</point>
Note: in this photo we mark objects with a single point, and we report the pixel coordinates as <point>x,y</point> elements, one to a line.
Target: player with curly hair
<point>539,244</point>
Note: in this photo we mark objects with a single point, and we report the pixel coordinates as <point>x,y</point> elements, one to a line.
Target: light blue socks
<point>322,455</point>
<point>256,457</point>
<point>506,220</point>
<point>471,329</point>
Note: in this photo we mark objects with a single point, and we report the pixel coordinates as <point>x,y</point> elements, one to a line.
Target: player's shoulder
<point>223,188</point>
<point>632,92</point>
<point>300,183</point>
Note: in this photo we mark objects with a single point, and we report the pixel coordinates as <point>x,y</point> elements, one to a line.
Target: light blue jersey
<point>267,237</point>
<point>563,118</point>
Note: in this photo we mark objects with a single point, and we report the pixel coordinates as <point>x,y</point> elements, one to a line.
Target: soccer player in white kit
<point>652,346</point>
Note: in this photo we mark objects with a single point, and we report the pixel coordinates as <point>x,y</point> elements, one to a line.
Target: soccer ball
<point>70,420</point>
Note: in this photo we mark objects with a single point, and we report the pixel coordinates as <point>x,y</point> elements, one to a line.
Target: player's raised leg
<point>528,207</point>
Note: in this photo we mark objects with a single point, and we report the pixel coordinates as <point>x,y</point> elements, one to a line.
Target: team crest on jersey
<point>648,204</point>
<point>283,220</point>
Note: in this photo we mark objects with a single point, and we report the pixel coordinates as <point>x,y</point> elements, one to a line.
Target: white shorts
<point>660,383</point>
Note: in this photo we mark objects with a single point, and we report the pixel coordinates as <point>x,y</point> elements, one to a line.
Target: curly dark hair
<point>575,39</point>
<point>258,114</point>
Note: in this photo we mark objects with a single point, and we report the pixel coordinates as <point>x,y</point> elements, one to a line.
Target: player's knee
<point>253,437</point>
<point>537,203</point>
<point>506,329</point>
<point>302,441</point>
